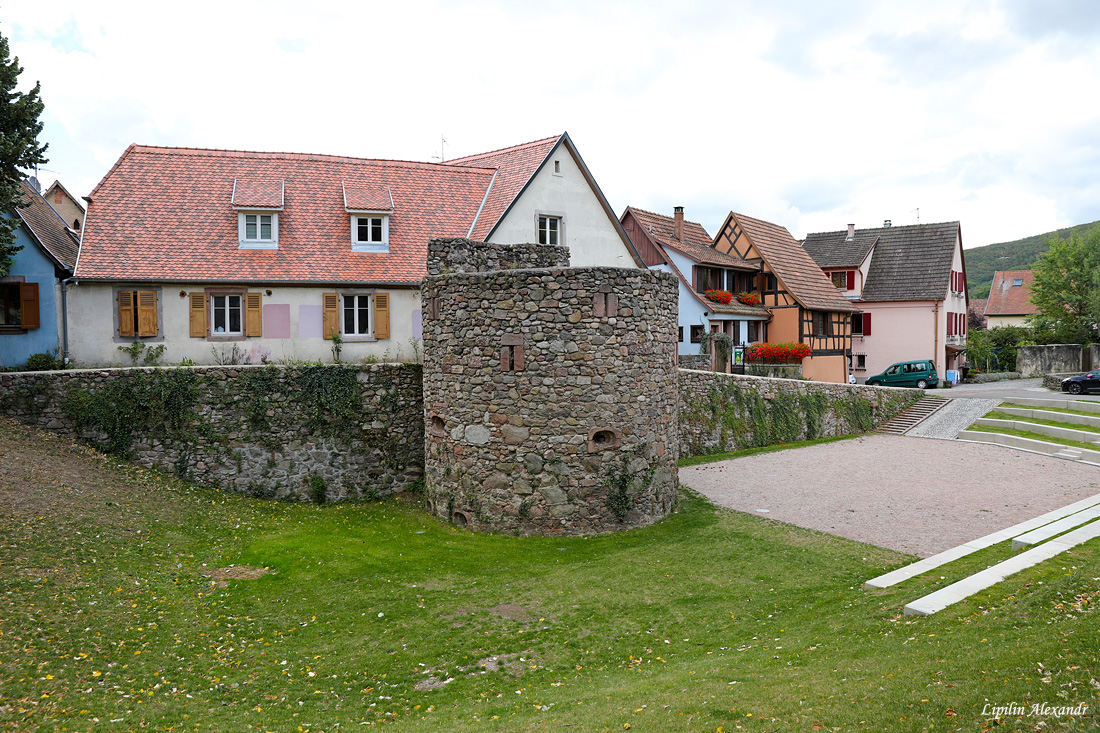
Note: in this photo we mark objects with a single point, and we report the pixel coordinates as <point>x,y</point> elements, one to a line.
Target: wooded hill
<point>982,262</point>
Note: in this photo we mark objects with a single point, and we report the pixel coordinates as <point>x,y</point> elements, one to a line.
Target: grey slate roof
<point>832,249</point>
<point>909,262</point>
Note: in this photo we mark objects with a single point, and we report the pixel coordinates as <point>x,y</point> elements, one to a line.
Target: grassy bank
<point>128,600</point>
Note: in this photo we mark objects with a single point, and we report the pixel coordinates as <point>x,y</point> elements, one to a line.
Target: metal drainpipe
<point>936,336</point>
<point>65,320</point>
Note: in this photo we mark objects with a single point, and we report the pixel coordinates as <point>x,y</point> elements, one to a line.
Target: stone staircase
<point>909,417</point>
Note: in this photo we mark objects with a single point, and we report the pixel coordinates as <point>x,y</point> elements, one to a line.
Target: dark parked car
<point>1082,383</point>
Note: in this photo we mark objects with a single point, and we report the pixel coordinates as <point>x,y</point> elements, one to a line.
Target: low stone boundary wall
<point>725,412</point>
<point>1034,361</point>
<point>987,377</point>
<point>309,431</point>
<point>694,361</point>
<point>1054,381</point>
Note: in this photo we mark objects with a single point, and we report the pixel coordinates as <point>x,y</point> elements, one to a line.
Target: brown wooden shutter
<point>330,315</point>
<point>866,324</point>
<point>253,315</point>
<point>197,308</point>
<point>29,305</point>
<point>381,315</point>
<point>851,278</point>
<point>125,312</point>
<point>147,312</point>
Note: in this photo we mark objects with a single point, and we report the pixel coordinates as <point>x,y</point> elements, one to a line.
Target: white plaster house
<point>210,252</point>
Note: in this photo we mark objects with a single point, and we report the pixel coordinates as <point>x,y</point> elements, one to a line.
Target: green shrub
<point>44,362</point>
<point>317,489</point>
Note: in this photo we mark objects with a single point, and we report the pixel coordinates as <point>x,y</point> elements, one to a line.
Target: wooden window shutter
<point>851,278</point>
<point>695,278</point>
<point>253,315</point>
<point>125,312</point>
<point>28,305</point>
<point>866,324</point>
<point>197,315</point>
<point>381,315</point>
<point>146,312</point>
<point>950,324</point>
<point>330,315</point>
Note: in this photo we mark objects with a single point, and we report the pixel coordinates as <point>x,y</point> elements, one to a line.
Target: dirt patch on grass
<point>43,475</point>
<point>222,576</point>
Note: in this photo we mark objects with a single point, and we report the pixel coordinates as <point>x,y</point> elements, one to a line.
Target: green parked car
<point>919,374</point>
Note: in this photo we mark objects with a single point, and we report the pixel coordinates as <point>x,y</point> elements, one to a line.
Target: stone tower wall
<point>550,398</point>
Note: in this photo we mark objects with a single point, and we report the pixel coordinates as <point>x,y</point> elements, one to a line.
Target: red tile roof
<point>166,214</point>
<point>793,265</point>
<point>371,198</point>
<point>514,166</point>
<point>1008,299</point>
<point>253,193</point>
<point>695,242</point>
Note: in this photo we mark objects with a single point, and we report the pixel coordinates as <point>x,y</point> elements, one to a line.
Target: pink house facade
<point>910,284</point>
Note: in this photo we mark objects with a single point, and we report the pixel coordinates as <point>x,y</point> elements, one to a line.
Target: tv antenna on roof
<point>918,214</point>
<point>442,157</point>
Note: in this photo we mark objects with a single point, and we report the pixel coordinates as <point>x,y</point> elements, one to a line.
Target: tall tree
<point>1066,288</point>
<point>19,148</point>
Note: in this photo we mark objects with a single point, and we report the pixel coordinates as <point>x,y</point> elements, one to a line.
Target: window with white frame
<point>356,311</point>
<point>549,229</point>
<point>370,232</point>
<point>225,314</point>
<point>258,229</point>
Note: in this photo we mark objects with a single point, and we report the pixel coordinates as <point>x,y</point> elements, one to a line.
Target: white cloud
<point>808,114</point>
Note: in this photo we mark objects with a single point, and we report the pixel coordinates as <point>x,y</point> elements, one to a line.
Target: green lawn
<point>708,621</point>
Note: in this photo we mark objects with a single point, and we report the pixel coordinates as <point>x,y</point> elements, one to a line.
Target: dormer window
<point>370,232</point>
<point>258,203</point>
<point>370,208</point>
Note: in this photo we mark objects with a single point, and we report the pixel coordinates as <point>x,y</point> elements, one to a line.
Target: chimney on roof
<point>678,222</point>
<point>851,232</point>
<point>887,224</point>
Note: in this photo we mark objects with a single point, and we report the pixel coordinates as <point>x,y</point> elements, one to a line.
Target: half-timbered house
<point>805,306</point>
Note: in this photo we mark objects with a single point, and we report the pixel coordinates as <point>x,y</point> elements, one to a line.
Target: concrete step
<point>1065,417</point>
<point>913,415</point>
<point>1081,436</point>
<point>1054,529</point>
<point>931,563</point>
<point>1034,446</point>
<point>1079,405</point>
<point>963,589</point>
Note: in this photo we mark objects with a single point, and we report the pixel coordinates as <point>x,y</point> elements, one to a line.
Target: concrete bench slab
<point>930,563</point>
<point>1082,436</point>
<point>1028,444</point>
<point>1047,531</point>
<point>1065,417</point>
<point>963,589</point>
<point>1079,405</point>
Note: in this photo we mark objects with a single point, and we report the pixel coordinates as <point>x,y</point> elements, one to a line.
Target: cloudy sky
<point>809,114</point>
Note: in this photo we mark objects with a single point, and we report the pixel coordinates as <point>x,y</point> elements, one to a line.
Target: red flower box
<point>748,298</point>
<point>719,296</point>
<point>776,353</point>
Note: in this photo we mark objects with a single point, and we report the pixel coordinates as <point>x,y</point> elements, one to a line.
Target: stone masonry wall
<point>550,398</point>
<point>1035,361</point>
<point>264,430</point>
<point>452,256</point>
<point>725,412</point>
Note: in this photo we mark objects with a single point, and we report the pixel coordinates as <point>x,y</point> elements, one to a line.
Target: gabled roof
<point>1008,299</point>
<point>514,166</point>
<point>694,244</point>
<point>57,185</point>
<point>168,214</point>
<point>47,228</point>
<point>911,262</point>
<point>800,275</point>
<point>834,249</point>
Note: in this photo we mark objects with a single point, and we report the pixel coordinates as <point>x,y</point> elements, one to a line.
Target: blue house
<point>32,317</point>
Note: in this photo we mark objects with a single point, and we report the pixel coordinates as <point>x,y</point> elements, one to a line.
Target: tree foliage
<point>19,148</point>
<point>1066,289</point>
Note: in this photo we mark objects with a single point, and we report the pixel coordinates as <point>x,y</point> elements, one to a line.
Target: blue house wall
<point>35,267</point>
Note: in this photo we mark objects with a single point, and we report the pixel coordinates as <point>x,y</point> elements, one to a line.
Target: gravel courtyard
<point>915,495</point>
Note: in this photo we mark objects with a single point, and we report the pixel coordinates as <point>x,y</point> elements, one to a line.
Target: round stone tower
<point>550,392</point>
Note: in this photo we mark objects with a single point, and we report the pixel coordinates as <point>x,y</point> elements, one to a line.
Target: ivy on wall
<point>733,414</point>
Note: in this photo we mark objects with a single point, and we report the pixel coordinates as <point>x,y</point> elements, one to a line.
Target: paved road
<point>915,495</point>
<point>1007,390</point>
